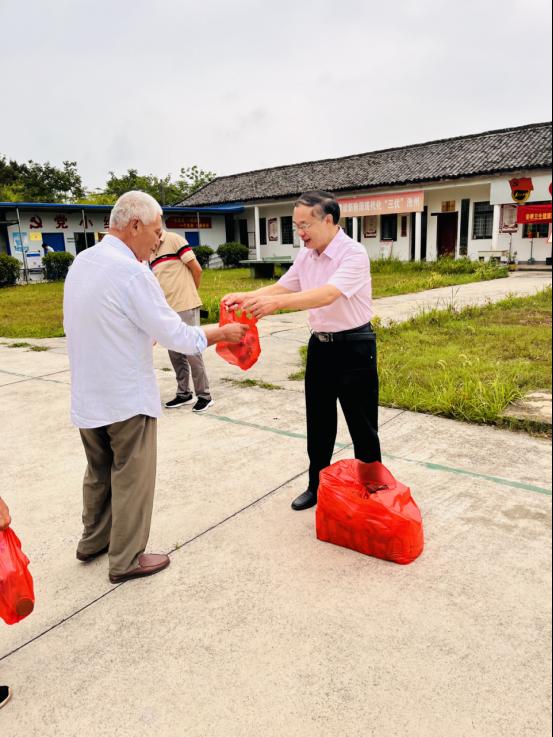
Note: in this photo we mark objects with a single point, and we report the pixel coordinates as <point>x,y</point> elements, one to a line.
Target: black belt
<point>365,332</point>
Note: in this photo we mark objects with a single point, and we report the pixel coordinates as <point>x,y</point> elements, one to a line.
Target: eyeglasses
<point>304,227</point>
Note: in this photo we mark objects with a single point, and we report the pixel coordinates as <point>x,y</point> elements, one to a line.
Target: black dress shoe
<point>305,501</point>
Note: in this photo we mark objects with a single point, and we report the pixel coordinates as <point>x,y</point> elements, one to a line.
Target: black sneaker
<point>5,695</point>
<point>202,405</point>
<point>180,400</point>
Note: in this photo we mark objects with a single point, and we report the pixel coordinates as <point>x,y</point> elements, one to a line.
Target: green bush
<point>203,254</point>
<point>56,265</point>
<point>446,265</point>
<point>232,253</point>
<point>9,270</point>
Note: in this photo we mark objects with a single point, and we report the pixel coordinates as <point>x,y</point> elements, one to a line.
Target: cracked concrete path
<point>257,628</point>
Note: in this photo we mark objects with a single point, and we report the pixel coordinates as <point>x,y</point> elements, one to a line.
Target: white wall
<point>376,249</point>
<point>272,249</point>
<point>519,245</point>
<point>215,236</point>
<point>97,223</point>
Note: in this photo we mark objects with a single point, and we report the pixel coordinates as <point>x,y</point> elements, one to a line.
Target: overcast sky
<point>235,86</point>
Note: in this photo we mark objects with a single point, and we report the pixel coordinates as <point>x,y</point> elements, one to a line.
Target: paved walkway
<point>257,628</point>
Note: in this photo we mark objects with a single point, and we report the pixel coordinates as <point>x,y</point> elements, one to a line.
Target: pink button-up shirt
<point>344,264</point>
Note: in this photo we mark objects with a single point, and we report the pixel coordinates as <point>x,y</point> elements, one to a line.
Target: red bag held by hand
<point>17,597</point>
<point>245,353</point>
<point>361,506</point>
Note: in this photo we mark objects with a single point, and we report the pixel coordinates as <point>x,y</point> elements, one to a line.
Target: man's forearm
<point>310,299</point>
<point>271,291</point>
<point>214,334</point>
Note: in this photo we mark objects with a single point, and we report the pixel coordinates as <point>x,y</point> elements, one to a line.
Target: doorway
<point>84,241</point>
<point>54,240</point>
<point>447,234</point>
<point>243,231</point>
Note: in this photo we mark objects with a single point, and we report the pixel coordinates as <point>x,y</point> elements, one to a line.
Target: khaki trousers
<point>183,365</point>
<point>118,490</point>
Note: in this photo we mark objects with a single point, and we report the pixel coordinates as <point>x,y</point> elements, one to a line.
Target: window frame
<point>482,211</point>
<point>388,223</point>
<point>287,227</point>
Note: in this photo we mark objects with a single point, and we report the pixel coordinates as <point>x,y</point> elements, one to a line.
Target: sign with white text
<point>388,204</point>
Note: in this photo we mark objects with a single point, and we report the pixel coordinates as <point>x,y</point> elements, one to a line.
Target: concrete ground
<point>257,628</point>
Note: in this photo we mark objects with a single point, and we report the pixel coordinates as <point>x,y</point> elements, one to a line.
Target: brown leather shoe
<point>149,564</point>
<point>87,558</point>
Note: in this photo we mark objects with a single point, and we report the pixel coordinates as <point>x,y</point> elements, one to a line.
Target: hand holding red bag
<point>246,353</point>
<point>17,598</point>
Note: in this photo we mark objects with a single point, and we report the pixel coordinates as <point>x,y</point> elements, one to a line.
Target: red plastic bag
<point>361,506</point>
<point>17,597</point>
<point>245,353</point>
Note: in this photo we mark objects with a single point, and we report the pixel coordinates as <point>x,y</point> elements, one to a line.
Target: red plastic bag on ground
<point>245,353</point>
<point>361,506</point>
<point>17,597</point>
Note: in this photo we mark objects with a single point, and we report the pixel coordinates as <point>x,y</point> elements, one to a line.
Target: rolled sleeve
<point>147,308</point>
<point>352,275</point>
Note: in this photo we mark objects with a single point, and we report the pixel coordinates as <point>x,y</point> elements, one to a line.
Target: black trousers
<point>347,372</point>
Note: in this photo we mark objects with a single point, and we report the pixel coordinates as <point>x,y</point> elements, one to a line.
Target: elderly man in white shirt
<point>114,309</point>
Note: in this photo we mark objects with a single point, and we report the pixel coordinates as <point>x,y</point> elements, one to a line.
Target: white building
<point>25,227</point>
<point>453,197</point>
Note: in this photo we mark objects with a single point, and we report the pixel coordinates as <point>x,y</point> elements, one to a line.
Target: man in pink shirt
<point>331,278</point>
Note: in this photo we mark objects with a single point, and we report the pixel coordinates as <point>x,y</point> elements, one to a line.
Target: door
<point>413,236</point>
<point>54,240</point>
<point>243,230</point>
<point>447,234</point>
<point>192,238</point>
<point>83,241</point>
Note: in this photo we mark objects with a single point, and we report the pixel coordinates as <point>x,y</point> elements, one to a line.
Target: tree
<point>165,190</point>
<point>192,179</point>
<point>34,182</point>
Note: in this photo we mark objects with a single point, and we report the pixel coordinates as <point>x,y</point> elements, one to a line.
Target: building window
<point>404,226</point>
<point>536,230</point>
<point>388,227</point>
<point>482,228</point>
<point>263,231</point>
<point>287,231</point>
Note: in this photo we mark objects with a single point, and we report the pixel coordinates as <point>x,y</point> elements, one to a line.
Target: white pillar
<point>355,229</point>
<point>418,235</point>
<point>495,227</point>
<point>257,234</point>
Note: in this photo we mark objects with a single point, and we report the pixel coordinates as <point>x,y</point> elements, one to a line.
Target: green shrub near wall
<point>203,254</point>
<point>9,270</point>
<point>232,253</point>
<point>56,265</point>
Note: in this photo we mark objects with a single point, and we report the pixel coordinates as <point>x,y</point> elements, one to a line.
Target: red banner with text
<point>533,214</point>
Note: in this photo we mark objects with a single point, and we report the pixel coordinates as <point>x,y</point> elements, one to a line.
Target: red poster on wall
<point>534,214</point>
<point>188,222</point>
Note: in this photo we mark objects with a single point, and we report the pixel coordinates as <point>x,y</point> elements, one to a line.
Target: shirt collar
<point>111,240</point>
<point>333,248</point>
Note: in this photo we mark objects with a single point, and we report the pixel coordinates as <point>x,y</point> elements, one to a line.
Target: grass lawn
<point>467,364</point>
<point>35,311</point>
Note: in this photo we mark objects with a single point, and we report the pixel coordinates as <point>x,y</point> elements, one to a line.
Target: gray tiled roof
<point>493,152</point>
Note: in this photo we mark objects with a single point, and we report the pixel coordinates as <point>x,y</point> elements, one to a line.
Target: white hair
<point>134,206</point>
